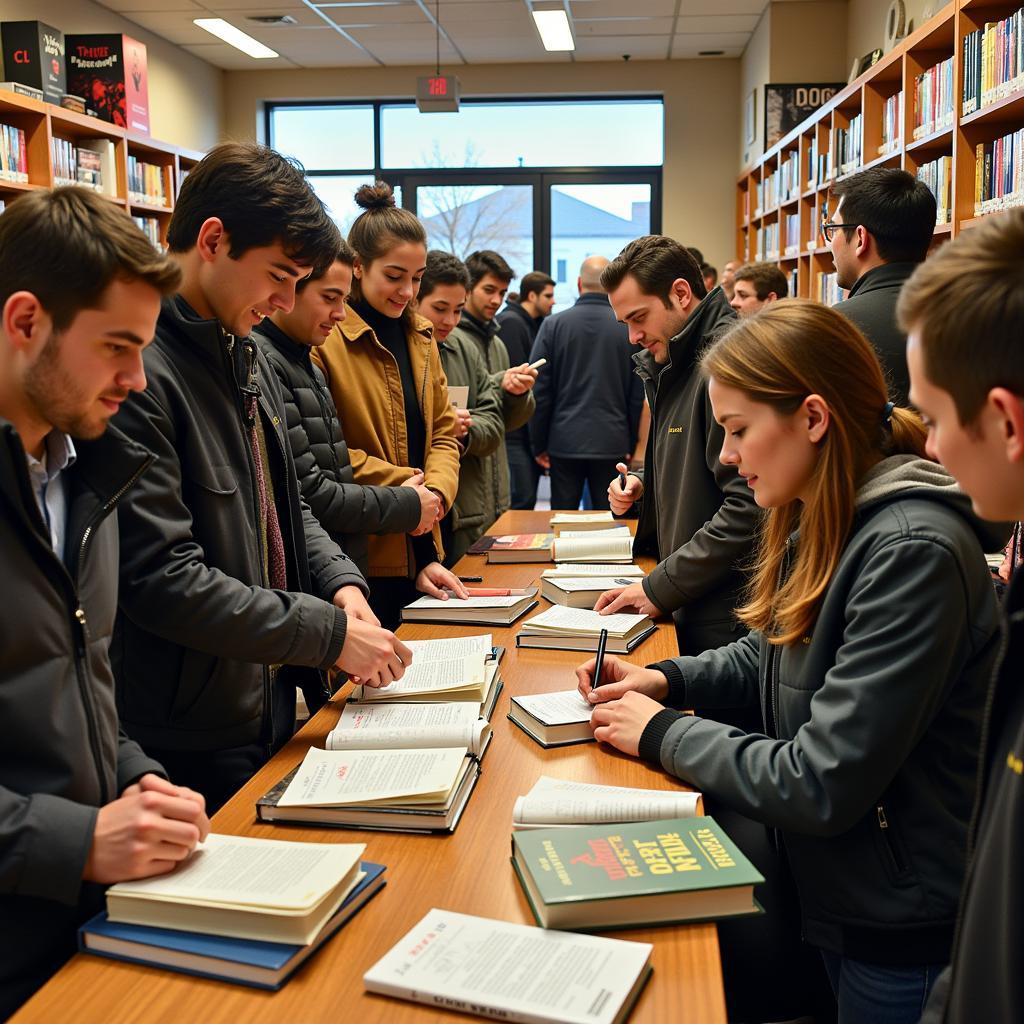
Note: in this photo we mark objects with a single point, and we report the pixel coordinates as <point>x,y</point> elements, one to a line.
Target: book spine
<point>471,1006</point>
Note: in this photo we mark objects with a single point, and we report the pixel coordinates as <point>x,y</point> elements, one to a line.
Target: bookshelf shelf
<point>17,186</point>
<point>150,208</point>
<point>882,104</point>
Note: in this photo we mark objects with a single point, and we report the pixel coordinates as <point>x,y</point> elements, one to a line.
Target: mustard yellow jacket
<point>364,380</point>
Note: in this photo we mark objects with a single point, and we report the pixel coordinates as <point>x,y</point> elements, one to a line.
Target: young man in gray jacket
<point>696,514</point>
<point>232,594</point>
<point>81,805</point>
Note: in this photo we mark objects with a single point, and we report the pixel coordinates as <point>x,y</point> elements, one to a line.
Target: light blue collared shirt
<point>51,487</point>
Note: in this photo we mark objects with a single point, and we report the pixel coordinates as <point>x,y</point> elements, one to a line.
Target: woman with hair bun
<point>385,375</point>
<point>873,634</point>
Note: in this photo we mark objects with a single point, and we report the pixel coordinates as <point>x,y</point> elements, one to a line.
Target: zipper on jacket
<point>890,843</point>
<point>80,629</point>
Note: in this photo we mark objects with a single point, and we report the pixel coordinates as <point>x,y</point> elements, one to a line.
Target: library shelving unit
<point>946,104</point>
<point>140,174</point>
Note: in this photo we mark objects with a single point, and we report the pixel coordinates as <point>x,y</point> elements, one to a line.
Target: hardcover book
<point>110,72</point>
<point>634,874</point>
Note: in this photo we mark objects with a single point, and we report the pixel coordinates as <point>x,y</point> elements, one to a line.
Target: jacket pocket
<point>894,857</point>
<point>215,479</point>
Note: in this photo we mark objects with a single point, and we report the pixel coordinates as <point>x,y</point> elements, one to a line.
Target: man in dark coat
<point>881,226</point>
<point>81,805</point>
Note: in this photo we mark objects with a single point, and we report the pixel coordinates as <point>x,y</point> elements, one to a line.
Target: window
<point>560,272</point>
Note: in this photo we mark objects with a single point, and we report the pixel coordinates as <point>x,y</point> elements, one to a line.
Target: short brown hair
<point>487,261</point>
<point>966,304</point>
<point>765,277</point>
<point>655,261</point>
<point>262,198</point>
<point>345,256</point>
<point>66,246</point>
<point>534,283</point>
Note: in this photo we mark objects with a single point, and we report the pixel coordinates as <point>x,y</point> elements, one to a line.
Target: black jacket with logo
<point>699,517</point>
<point>197,629</point>
<point>63,755</point>
<point>347,510</point>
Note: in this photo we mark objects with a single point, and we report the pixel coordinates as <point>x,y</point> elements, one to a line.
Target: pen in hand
<point>602,641</point>
<point>622,481</point>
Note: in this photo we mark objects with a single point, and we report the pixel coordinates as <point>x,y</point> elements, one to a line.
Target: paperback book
<point>577,629</point>
<point>497,610</point>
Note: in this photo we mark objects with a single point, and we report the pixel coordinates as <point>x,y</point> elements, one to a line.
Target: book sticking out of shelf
<point>410,727</point>
<point>577,629</point>
<point>463,963</point>
<point>241,887</point>
<point>563,803</point>
<point>628,875</point>
<point>496,610</point>
<point>266,965</point>
<point>581,521</point>
<point>553,719</point>
<point>420,790</point>
<point>582,591</point>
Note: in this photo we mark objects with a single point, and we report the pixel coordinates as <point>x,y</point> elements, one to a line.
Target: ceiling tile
<point>388,35</point>
<point>267,6</point>
<point>220,55</point>
<point>690,8</point>
<point>493,50</point>
<point>512,34</point>
<point>623,27</point>
<point>325,48</point>
<point>398,14</point>
<point>619,8</point>
<point>689,46</point>
<point>127,7</point>
<point>716,24</point>
<point>638,47</point>
<point>178,27</point>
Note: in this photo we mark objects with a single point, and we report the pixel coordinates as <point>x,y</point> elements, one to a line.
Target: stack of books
<point>404,757</point>
<point>583,591</point>
<point>577,521</point>
<point>484,607</point>
<point>576,629</point>
<point>239,909</point>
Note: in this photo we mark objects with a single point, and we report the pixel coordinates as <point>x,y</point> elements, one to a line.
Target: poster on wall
<point>785,106</point>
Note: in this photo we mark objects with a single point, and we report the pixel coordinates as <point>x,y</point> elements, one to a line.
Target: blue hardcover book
<point>245,961</point>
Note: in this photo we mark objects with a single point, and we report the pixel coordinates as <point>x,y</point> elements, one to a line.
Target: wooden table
<point>468,871</point>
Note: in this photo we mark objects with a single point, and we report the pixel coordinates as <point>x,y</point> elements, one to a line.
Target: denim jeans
<point>877,994</point>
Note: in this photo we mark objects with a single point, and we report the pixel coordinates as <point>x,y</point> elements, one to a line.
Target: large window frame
<point>541,178</point>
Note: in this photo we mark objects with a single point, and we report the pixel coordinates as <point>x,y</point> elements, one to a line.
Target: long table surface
<point>468,871</point>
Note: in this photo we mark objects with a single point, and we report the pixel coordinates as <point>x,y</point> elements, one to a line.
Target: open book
<point>472,611</point>
<point>416,790</point>
<point>582,591</point>
<point>410,726</point>
<point>512,972</point>
<point>592,569</point>
<point>553,719</point>
<point>613,546</point>
<point>248,888</point>
<point>562,802</point>
<point>577,629</point>
<point>578,521</point>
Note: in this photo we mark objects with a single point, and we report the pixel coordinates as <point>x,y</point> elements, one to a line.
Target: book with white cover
<point>513,972</point>
<point>562,628</point>
<point>565,803</point>
<point>617,547</point>
<point>553,719</point>
<point>472,611</point>
<point>408,726</point>
<point>580,521</point>
<point>244,887</point>
<point>611,531</point>
<point>582,591</point>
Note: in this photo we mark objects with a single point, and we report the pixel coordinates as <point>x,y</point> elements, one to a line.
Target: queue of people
<point>228,467</point>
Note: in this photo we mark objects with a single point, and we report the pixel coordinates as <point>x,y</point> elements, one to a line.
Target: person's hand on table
<point>617,678</point>
<point>621,499</point>
<point>148,830</point>
<point>435,581</point>
<point>371,655</point>
<point>627,599</point>
<point>353,603</point>
<point>621,723</point>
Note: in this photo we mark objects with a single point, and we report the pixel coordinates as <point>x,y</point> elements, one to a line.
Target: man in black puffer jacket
<point>347,511</point>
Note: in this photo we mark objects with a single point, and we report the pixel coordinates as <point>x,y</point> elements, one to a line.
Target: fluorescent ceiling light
<point>554,30</point>
<point>235,37</point>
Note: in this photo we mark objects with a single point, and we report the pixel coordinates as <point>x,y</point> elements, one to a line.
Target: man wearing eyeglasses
<point>879,229</point>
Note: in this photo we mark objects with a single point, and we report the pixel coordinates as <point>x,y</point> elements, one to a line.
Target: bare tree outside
<point>463,218</point>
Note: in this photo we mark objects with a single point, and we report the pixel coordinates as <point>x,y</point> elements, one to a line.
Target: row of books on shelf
<point>892,124</point>
<point>848,152</point>
<point>768,242</point>
<point>938,176</point>
<point>80,165</point>
<point>147,183</point>
<point>13,154</point>
<point>792,234</point>
<point>783,184</point>
<point>999,174</point>
<point>933,99</point>
<point>150,227</point>
<point>829,292</point>
<point>993,62</point>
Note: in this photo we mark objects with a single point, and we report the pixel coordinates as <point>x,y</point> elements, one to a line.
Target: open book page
<point>405,726</point>
<point>574,584</point>
<point>531,973</point>
<point>567,518</point>
<point>611,532</point>
<point>446,648</point>
<point>591,569</point>
<point>593,549</point>
<point>562,619</point>
<point>259,873</point>
<point>563,802</point>
<point>467,602</point>
<point>564,707</point>
<point>334,778</point>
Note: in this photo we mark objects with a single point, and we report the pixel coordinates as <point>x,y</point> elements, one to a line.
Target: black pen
<point>602,642</point>
<point>622,481</point>
<point>471,579</point>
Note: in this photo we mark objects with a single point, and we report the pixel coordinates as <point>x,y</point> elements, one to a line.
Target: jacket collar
<point>292,350</point>
<point>592,299</point>
<point>179,319</point>
<point>485,331</point>
<point>712,315</point>
<point>354,327</point>
<point>885,276</point>
<point>515,309</point>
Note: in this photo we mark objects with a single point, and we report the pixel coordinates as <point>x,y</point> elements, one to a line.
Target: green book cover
<point>648,858</point>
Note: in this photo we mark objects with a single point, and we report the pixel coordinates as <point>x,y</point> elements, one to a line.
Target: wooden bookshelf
<point>42,123</point>
<point>891,81</point>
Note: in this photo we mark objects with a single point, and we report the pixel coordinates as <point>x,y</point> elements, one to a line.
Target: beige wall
<point>701,100</point>
<point>755,72</point>
<point>866,23</point>
<point>184,92</point>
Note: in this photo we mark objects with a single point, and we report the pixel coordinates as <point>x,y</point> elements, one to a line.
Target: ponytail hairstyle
<point>378,229</point>
<point>792,349</point>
